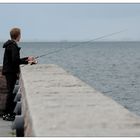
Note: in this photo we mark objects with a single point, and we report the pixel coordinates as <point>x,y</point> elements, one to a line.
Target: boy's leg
<point>11,81</point>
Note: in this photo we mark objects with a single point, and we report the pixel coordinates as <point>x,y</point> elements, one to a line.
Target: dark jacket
<point>11,60</point>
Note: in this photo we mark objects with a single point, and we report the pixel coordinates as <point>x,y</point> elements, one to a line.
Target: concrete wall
<point>55,103</point>
<point>3,91</point>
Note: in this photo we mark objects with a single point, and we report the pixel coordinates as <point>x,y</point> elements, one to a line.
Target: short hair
<point>14,33</point>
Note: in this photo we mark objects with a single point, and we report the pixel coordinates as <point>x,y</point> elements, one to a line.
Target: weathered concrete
<point>55,103</point>
<point>5,129</point>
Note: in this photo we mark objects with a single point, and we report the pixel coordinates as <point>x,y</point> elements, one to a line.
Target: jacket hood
<point>9,42</point>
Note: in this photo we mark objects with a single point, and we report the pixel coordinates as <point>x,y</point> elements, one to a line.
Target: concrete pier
<point>55,103</point>
<point>5,129</point>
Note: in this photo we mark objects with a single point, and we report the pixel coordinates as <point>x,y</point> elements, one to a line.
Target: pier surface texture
<point>55,103</point>
<point>5,129</point>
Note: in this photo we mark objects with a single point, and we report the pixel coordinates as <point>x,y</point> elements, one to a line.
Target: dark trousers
<point>11,81</point>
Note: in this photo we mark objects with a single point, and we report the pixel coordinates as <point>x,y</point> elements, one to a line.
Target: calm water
<point>113,68</point>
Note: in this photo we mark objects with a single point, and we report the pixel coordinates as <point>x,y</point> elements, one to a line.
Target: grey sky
<point>56,22</point>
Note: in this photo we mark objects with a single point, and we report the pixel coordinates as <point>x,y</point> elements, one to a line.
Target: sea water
<point>113,68</point>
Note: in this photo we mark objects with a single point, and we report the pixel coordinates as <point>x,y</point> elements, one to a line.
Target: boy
<point>11,69</point>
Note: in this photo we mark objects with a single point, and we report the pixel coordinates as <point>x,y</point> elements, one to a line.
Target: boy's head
<point>15,34</point>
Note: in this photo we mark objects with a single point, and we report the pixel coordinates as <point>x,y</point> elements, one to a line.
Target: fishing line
<point>86,42</point>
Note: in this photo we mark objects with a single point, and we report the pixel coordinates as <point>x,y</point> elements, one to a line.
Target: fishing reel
<point>34,62</point>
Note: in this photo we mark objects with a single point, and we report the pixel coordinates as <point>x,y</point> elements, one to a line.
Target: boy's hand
<point>32,60</point>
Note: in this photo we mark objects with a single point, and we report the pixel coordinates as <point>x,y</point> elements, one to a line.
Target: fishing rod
<point>75,45</point>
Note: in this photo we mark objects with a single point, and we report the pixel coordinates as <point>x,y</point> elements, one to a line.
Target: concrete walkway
<point>5,129</point>
<point>55,103</point>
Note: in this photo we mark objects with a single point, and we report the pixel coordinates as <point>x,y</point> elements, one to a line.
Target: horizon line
<point>76,41</point>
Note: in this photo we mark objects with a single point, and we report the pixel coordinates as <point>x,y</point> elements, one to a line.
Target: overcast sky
<point>57,22</point>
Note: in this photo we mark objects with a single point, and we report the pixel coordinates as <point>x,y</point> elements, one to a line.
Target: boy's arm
<point>16,57</point>
<point>24,60</point>
<point>28,60</point>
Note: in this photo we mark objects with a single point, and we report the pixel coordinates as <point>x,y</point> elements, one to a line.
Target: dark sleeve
<point>15,55</point>
<point>16,60</point>
<point>24,60</point>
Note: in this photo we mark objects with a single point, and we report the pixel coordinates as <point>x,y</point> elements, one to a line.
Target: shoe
<point>5,115</point>
<point>9,117</point>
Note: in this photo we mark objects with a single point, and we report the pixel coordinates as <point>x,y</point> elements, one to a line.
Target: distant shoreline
<point>73,41</point>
